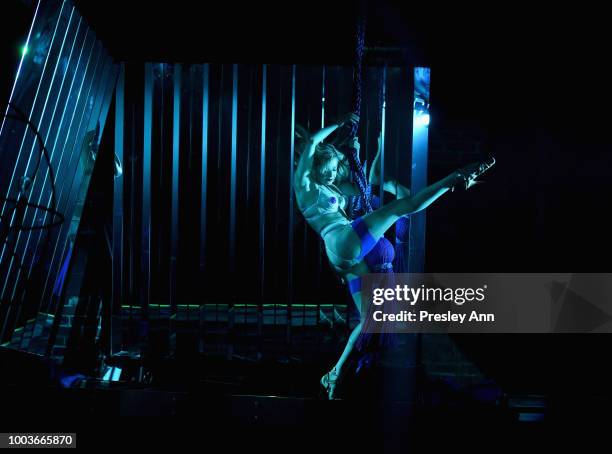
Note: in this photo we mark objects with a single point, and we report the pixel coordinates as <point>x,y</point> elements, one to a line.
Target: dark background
<point>530,86</point>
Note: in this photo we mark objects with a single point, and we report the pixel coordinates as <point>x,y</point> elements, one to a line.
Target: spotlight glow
<point>24,50</point>
<point>421,119</point>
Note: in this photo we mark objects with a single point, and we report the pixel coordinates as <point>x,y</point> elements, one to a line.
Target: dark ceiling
<point>502,53</point>
<point>320,31</point>
<point>497,65</point>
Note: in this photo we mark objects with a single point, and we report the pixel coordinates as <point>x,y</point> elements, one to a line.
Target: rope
<point>357,172</point>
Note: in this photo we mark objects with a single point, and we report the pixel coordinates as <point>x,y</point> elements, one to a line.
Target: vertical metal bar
<point>382,134</point>
<point>319,240</point>
<point>232,226</point>
<point>203,190</point>
<point>175,183</point>
<point>290,220</point>
<point>262,197</point>
<point>205,102</point>
<point>146,186</point>
<point>117,263</point>
<point>161,131</point>
<point>277,170</point>
<point>219,147</point>
<point>418,179</point>
<point>323,100</point>
<point>248,219</point>
<point>132,220</point>
<point>190,110</point>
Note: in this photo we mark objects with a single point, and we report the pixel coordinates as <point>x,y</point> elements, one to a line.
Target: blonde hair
<point>324,153</point>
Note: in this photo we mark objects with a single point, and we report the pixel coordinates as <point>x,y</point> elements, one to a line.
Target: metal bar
<point>262,198</point>
<point>175,183</point>
<point>219,147</point>
<point>418,180</point>
<point>277,175</point>
<point>159,129</point>
<point>203,194</point>
<point>132,203</point>
<point>319,240</point>
<point>323,100</point>
<point>383,118</point>
<point>117,262</point>
<point>290,216</point>
<point>189,107</point>
<point>248,218</point>
<point>146,187</point>
<point>232,226</point>
<point>203,190</point>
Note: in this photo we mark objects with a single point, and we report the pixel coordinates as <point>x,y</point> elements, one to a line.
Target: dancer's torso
<point>324,209</point>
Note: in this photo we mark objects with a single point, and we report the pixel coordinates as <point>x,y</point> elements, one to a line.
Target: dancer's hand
<point>350,118</point>
<point>355,144</point>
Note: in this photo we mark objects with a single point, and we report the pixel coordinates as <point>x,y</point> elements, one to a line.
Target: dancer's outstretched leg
<point>350,243</point>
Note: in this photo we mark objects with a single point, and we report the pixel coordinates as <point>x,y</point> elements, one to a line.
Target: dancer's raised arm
<point>302,180</point>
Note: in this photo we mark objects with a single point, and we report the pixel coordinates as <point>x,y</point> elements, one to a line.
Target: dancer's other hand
<point>349,119</point>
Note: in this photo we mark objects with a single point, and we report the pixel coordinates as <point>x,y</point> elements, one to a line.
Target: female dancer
<point>348,242</point>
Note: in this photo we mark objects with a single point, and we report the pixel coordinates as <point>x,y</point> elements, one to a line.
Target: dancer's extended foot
<point>329,382</point>
<point>466,176</point>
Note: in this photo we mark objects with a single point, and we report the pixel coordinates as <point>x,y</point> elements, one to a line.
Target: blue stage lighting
<point>421,112</point>
<point>422,119</point>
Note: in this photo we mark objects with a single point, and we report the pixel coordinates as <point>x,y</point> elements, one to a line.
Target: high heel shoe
<point>466,176</point>
<point>329,382</point>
